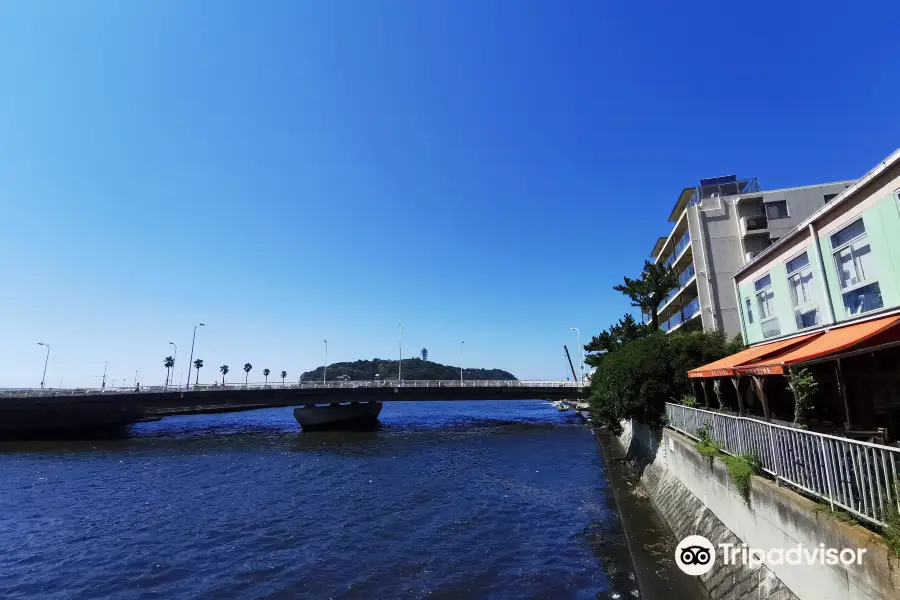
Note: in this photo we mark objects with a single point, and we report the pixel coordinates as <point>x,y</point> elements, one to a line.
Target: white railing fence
<point>858,477</point>
<point>277,384</point>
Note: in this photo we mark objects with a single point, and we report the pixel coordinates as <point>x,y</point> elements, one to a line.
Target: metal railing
<point>858,477</point>
<point>732,188</point>
<point>305,385</point>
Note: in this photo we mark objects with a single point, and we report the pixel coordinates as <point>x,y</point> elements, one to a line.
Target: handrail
<point>306,385</point>
<point>854,475</point>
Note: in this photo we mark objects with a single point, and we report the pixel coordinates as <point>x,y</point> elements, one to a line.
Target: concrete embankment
<point>694,496</point>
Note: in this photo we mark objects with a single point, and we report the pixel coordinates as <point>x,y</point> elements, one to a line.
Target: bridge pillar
<point>350,416</point>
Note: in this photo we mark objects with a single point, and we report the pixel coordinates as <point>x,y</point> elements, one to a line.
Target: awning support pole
<point>843,388</point>
<point>761,392</point>
<point>706,392</point>
<point>736,380</point>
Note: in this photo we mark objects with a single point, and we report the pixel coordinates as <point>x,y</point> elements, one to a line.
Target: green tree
<point>198,364</point>
<point>638,378</point>
<point>266,374</point>
<point>247,368</point>
<point>626,330</point>
<point>424,353</point>
<point>803,385</point>
<point>224,370</point>
<point>168,363</point>
<point>648,292</point>
<point>283,375</point>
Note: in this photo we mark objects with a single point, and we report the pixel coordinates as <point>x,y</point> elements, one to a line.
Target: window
<point>829,197</point>
<point>765,301</point>
<point>803,291</point>
<point>856,269</point>
<point>749,311</point>
<point>777,210</point>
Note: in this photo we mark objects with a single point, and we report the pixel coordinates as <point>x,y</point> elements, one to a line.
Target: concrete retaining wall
<point>694,496</point>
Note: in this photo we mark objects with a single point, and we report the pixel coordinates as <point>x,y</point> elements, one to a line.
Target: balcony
<point>683,279</point>
<point>680,247</point>
<point>754,224</point>
<point>692,308</point>
<point>723,186</point>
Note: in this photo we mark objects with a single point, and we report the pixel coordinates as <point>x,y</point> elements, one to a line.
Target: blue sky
<point>483,171</point>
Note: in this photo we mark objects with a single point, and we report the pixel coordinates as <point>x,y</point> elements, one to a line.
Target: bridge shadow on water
<point>279,431</point>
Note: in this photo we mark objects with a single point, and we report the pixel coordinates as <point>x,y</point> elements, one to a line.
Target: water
<point>451,500</point>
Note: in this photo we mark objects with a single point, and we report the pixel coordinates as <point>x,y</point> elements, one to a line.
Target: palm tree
<point>224,370</point>
<point>266,373</point>
<point>283,375</point>
<point>198,364</point>
<point>168,363</point>
<point>247,368</point>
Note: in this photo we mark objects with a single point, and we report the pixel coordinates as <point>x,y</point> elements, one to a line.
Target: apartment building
<point>840,265</point>
<point>719,226</point>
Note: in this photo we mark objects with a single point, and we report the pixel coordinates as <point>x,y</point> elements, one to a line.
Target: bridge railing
<point>303,385</point>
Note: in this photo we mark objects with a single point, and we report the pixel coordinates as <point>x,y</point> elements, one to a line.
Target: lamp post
<point>400,363</point>
<point>46,360</point>
<point>188,384</point>
<point>581,353</point>
<point>174,358</point>
<point>325,369</point>
<point>103,383</point>
<point>460,361</point>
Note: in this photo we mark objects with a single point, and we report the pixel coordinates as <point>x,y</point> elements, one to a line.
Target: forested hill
<point>413,368</point>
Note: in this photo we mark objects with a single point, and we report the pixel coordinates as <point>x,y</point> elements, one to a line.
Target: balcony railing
<point>686,276</point>
<point>724,188</point>
<point>683,243</point>
<point>692,308</point>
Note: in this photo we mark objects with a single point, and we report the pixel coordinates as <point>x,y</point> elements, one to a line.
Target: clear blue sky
<point>290,171</point>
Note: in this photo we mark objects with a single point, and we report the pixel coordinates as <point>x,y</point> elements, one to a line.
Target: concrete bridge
<point>49,413</point>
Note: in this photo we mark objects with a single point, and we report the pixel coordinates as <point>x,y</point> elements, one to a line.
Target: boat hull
<point>354,415</point>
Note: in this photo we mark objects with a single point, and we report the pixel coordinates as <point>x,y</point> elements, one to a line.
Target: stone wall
<point>694,496</point>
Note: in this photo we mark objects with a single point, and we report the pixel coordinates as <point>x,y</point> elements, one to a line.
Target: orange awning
<point>832,342</point>
<point>725,366</point>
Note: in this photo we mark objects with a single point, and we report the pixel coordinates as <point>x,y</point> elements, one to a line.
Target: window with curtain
<point>804,292</point>
<point>765,301</point>
<point>856,269</point>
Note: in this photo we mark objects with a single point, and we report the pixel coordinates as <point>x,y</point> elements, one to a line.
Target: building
<point>826,297</point>
<point>719,226</point>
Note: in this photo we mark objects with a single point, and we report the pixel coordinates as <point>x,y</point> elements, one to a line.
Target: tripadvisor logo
<point>696,555</point>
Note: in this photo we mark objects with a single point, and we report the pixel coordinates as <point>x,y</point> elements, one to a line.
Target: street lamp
<point>325,369</point>
<point>188,384</point>
<point>581,352</point>
<point>400,363</point>
<point>46,360</point>
<point>460,361</point>
<point>174,358</point>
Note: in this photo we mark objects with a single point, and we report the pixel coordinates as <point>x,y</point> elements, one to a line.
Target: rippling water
<point>449,500</point>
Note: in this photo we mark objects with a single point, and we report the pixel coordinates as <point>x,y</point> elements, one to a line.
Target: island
<point>414,369</point>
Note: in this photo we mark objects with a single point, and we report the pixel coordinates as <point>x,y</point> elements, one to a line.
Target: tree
<point>168,363</point>
<point>648,292</point>
<point>224,370</point>
<point>626,330</point>
<point>803,385</point>
<point>637,379</point>
<point>198,364</point>
<point>283,375</point>
<point>424,353</point>
<point>247,368</point>
<point>266,374</point>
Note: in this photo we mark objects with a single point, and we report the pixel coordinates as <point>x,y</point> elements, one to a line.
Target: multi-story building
<point>718,227</point>
<point>842,264</point>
